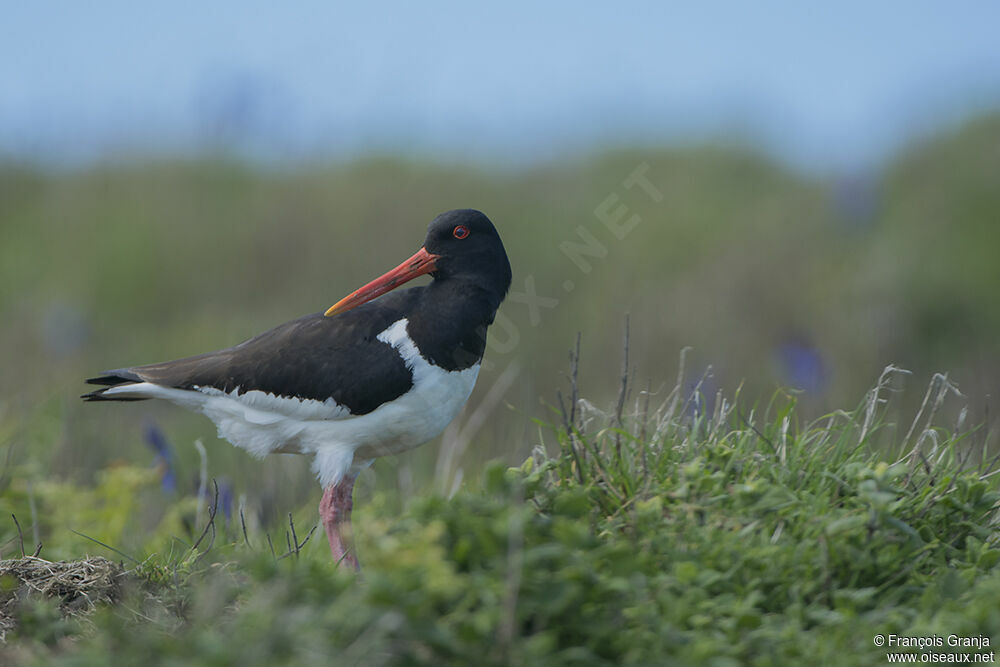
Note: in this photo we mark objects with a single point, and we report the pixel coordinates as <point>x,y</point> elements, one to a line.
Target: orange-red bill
<point>422,262</point>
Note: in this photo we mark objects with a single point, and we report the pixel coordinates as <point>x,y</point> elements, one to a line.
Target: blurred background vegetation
<point>819,200</point>
<point>773,277</point>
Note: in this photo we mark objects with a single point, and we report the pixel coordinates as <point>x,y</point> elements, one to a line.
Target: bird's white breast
<point>263,423</point>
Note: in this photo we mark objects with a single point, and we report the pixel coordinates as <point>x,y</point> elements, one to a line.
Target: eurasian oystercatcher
<point>369,377</point>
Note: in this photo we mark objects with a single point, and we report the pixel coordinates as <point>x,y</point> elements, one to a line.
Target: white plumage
<point>263,423</point>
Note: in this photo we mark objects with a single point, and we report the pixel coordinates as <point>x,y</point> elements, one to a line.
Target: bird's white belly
<point>263,423</point>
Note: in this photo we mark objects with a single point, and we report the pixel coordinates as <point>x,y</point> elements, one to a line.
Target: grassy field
<point>786,529</point>
<point>660,534</point>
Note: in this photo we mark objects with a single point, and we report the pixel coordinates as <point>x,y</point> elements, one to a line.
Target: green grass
<point>650,535</point>
<point>774,530</point>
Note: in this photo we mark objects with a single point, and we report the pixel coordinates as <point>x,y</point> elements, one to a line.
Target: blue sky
<point>834,85</point>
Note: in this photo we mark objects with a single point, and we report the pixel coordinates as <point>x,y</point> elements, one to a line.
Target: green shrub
<point>717,539</point>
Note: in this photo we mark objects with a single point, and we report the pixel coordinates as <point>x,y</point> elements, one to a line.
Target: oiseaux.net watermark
<point>955,649</point>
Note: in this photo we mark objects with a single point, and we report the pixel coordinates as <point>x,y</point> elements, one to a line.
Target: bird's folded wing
<point>313,357</point>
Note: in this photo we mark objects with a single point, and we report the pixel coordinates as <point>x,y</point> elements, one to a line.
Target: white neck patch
<point>396,336</point>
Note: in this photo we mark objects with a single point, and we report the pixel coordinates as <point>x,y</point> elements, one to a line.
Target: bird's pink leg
<point>335,513</point>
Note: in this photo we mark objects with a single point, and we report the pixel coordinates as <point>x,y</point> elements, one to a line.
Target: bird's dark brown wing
<point>313,357</point>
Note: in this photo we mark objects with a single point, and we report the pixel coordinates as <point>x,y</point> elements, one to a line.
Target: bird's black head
<point>468,248</point>
<point>462,249</point>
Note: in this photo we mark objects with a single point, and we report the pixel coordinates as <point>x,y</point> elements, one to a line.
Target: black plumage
<point>340,357</point>
<point>313,357</point>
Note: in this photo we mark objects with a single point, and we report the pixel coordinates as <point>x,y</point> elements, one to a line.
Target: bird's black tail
<point>110,380</point>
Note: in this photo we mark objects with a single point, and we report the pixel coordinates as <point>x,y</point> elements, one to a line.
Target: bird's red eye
<point>460,232</point>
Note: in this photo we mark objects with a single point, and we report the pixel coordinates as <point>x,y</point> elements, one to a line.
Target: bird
<point>378,373</point>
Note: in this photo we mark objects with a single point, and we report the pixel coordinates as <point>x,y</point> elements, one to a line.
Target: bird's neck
<point>450,324</point>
